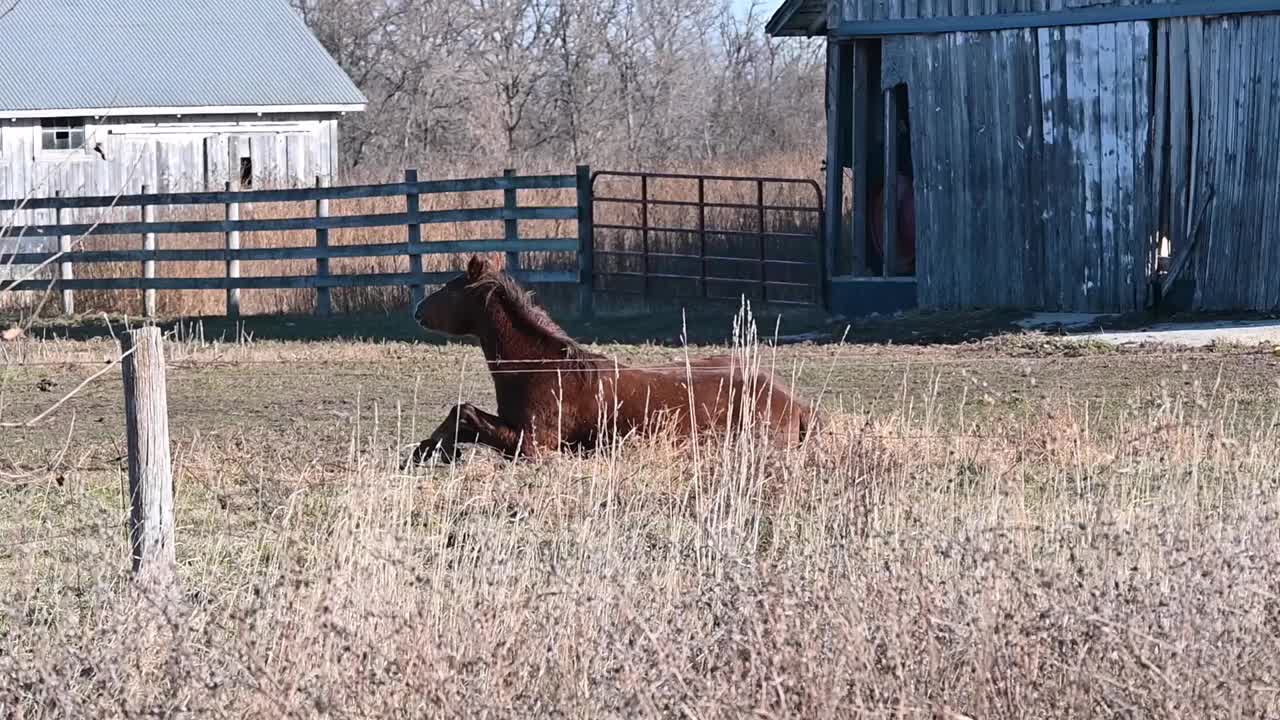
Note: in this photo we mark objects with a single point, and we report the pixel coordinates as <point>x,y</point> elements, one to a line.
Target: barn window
<point>62,134</point>
<point>246,172</point>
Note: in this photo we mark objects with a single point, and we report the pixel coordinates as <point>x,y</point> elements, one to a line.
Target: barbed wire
<point>7,546</point>
<point>764,355</point>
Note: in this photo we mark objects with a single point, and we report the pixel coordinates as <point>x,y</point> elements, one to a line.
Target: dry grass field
<point>1006,528</point>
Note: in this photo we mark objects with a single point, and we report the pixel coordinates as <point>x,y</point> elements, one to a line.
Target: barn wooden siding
<point>900,9</point>
<point>1221,79</point>
<point>164,154</point>
<point>1050,162</point>
<point>1031,166</point>
<point>167,155</point>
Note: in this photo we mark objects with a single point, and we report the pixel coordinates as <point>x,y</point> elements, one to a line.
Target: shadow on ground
<point>703,323</point>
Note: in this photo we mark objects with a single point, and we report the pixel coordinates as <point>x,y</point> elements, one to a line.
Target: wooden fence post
<point>586,243</point>
<point>511,226</point>
<point>233,263</point>
<point>324,302</point>
<point>148,266</point>
<point>64,268</point>
<point>415,237</point>
<point>150,472</point>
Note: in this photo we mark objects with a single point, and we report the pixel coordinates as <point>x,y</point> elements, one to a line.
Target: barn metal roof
<point>138,57</point>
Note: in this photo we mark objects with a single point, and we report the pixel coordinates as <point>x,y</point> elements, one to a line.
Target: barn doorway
<point>873,115</point>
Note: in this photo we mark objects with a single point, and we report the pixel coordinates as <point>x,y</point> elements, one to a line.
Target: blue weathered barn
<point>1084,155</point>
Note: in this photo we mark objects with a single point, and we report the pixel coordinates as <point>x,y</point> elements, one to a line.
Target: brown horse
<point>553,394</point>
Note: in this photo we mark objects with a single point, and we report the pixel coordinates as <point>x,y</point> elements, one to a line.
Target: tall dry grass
<point>896,567</point>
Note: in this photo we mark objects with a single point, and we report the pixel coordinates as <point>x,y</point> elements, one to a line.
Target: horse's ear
<point>477,268</point>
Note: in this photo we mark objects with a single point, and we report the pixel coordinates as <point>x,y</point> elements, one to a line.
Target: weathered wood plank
<point>1248,217</point>
<point>413,236</point>
<point>1110,144</point>
<point>339,192</point>
<point>233,265</point>
<point>1156,163</point>
<point>958,205</point>
<point>586,247</point>
<point>1209,158</point>
<point>148,266</point>
<point>1269,268</point>
<point>924,115</point>
<point>997,237</point>
<point>1024,151</point>
<point>970,17</point>
<point>65,270</point>
<point>1180,140</point>
<point>1091,157</point>
<point>1229,188</point>
<point>324,299</point>
<point>1245,220</point>
<point>146,411</point>
<point>1196,178</point>
<point>1130,188</point>
<point>1077,174</point>
<point>85,257</point>
<point>511,227</point>
<point>302,223</point>
<point>889,211</point>
<point>275,282</point>
<point>1049,262</point>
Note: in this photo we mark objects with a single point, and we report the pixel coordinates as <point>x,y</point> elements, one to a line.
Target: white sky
<point>765,9</point>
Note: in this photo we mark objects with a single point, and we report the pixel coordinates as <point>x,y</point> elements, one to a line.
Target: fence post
<point>644,236</point>
<point>324,302</point>
<point>233,262</point>
<point>702,234</point>
<point>150,472</point>
<point>760,239</point>
<point>64,268</point>
<point>415,237</point>
<point>148,266</point>
<point>586,243</point>
<point>511,226</point>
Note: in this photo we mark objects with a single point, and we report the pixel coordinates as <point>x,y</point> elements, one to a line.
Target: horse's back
<point>790,418</point>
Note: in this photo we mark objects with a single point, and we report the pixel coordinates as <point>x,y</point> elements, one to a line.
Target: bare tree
<point>633,82</point>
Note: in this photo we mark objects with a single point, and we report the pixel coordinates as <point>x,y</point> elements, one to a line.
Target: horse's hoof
<point>429,450</point>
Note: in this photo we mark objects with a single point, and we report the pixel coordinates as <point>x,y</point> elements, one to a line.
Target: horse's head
<point>455,308</point>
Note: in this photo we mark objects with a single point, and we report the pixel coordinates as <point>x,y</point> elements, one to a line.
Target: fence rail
<point>510,213</point>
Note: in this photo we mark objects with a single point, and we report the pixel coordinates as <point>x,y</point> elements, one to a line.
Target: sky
<point>766,7</point>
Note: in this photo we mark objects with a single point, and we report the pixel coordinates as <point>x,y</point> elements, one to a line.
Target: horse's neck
<point>504,341</point>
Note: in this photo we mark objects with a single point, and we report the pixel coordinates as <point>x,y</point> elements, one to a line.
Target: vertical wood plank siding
<point>1030,152</point>
<point>1050,163</point>
<point>1223,90</point>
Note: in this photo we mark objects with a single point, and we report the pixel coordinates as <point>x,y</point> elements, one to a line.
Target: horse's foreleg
<point>468,424</point>
<point>491,430</point>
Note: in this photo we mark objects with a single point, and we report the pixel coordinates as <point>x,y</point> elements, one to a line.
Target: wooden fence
<point>69,256</point>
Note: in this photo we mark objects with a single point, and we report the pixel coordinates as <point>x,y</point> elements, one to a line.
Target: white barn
<point>99,97</point>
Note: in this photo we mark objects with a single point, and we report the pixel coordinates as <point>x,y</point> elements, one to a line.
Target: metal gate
<point>671,235</point>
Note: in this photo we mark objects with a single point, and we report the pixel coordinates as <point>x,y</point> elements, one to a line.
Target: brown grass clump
<point>902,565</point>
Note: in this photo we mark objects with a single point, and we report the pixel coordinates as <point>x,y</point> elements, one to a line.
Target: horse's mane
<point>524,311</point>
